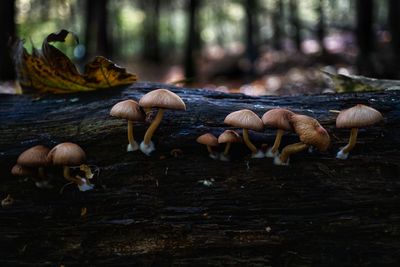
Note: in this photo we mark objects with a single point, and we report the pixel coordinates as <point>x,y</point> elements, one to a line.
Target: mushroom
<point>311,133</point>
<point>354,118</point>
<point>70,154</point>
<point>18,170</point>
<point>277,118</point>
<point>247,119</point>
<point>161,99</point>
<point>131,111</point>
<point>210,141</point>
<point>228,137</point>
<point>36,157</point>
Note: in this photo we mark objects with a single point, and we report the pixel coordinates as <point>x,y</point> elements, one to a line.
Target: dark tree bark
<point>192,40</point>
<point>251,29</point>
<point>365,36</point>
<point>278,25</point>
<point>96,33</point>
<point>295,22</point>
<point>159,211</point>
<point>7,36</point>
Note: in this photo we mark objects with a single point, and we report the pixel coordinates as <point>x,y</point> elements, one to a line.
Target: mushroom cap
<point>310,131</point>
<point>358,116</point>
<point>278,118</point>
<point>162,98</point>
<point>34,157</point>
<point>128,109</point>
<point>246,119</point>
<point>19,170</point>
<point>207,139</point>
<point>67,154</point>
<point>229,136</point>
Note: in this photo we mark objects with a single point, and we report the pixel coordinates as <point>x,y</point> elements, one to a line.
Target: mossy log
<point>162,210</point>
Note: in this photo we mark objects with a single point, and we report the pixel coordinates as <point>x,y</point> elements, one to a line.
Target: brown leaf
<point>50,70</point>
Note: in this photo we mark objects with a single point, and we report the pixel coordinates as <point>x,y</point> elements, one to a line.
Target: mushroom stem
<point>42,174</point>
<point>226,150</point>
<point>131,139</point>
<point>69,177</point>
<point>209,149</point>
<point>247,141</point>
<point>153,126</point>
<point>278,138</point>
<point>86,169</point>
<point>352,141</point>
<point>292,149</point>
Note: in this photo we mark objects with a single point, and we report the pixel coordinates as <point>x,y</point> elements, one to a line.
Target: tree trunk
<point>365,37</point>
<point>394,26</point>
<point>191,40</point>
<point>7,34</point>
<point>321,25</point>
<point>192,210</point>
<point>251,28</point>
<point>151,31</point>
<point>278,24</point>
<point>96,35</point>
<point>295,22</point>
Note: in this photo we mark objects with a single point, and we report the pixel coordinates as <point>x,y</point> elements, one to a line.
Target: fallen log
<point>162,210</point>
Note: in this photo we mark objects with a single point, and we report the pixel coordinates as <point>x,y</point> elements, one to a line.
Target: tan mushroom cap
<point>246,119</point>
<point>229,136</point>
<point>128,109</point>
<point>162,98</point>
<point>278,118</point>
<point>19,170</point>
<point>67,154</point>
<point>310,131</point>
<point>34,157</point>
<point>207,139</point>
<point>357,117</point>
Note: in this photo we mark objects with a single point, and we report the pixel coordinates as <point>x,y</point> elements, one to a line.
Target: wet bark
<point>157,210</point>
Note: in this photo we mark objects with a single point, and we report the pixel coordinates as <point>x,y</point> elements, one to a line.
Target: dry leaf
<point>50,70</point>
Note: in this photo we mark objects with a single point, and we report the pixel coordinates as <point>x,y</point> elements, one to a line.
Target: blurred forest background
<point>256,47</point>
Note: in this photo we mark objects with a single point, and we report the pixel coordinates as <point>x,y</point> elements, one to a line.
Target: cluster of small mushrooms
<point>32,162</point>
<point>310,132</point>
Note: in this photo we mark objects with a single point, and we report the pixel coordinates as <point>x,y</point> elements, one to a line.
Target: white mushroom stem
<point>352,141</point>
<point>69,177</point>
<point>132,143</point>
<point>292,149</point>
<point>227,148</point>
<point>247,141</point>
<point>153,126</point>
<point>277,142</point>
<point>86,169</point>
<point>42,174</point>
<point>212,153</point>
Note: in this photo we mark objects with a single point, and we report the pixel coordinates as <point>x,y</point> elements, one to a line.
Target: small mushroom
<point>354,118</point>
<point>210,141</point>
<point>246,119</point>
<point>311,133</point>
<point>161,99</point>
<point>277,118</point>
<point>36,157</point>
<point>131,111</point>
<point>18,170</point>
<point>228,137</point>
<point>67,155</point>
<point>176,152</point>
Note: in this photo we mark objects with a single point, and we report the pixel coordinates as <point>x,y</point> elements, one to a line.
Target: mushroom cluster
<point>311,133</point>
<point>131,110</point>
<point>33,161</point>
